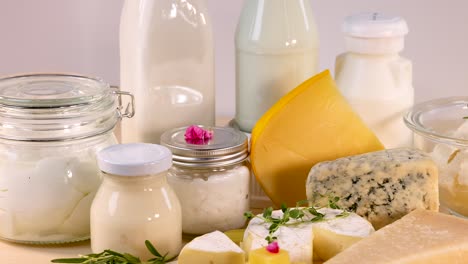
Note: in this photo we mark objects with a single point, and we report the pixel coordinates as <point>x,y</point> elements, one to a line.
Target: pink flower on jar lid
<point>197,135</point>
<point>273,247</point>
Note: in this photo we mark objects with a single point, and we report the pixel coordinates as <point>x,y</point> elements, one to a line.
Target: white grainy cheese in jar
<point>211,179</point>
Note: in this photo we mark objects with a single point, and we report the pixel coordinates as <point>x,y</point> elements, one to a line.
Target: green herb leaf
<point>466,117</point>
<point>152,249</point>
<point>249,215</point>
<point>69,260</point>
<point>267,212</point>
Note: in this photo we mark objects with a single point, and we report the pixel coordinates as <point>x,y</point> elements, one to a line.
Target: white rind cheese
<point>421,237</point>
<point>212,248</point>
<point>297,239</point>
<point>380,186</point>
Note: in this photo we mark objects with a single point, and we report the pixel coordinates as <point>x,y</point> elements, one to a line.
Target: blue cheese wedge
<point>212,248</point>
<point>380,186</point>
<point>334,235</point>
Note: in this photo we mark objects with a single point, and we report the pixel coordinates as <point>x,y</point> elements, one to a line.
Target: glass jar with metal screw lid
<point>51,127</point>
<point>211,178</point>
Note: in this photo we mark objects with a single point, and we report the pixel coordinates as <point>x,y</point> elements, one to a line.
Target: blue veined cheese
<point>380,186</point>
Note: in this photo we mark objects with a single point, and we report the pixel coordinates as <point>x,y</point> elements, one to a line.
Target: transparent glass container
<point>52,126</point>
<point>135,202</point>
<point>441,129</point>
<point>211,179</point>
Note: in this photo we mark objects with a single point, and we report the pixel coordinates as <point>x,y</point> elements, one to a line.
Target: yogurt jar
<point>211,179</point>
<point>51,128</point>
<point>135,203</point>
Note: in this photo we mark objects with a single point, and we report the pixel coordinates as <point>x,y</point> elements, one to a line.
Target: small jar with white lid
<point>211,179</point>
<point>135,203</point>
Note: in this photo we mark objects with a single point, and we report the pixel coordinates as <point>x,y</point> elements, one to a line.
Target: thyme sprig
<point>113,257</point>
<point>294,216</point>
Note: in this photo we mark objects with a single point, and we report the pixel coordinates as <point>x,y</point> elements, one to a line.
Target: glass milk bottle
<point>167,62</point>
<point>374,78</point>
<point>276,50</point>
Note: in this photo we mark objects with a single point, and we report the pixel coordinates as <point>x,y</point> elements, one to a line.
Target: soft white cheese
<point>297,239</point>
<point>215,248</point>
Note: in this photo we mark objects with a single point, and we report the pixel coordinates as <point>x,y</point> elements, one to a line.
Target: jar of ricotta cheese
<point>211,179</point>
<point>51,127</point>
<point>135,203</point>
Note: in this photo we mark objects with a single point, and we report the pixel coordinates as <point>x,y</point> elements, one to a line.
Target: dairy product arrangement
<point>323,151</point>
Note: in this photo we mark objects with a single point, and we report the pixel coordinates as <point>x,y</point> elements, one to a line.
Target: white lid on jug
<point>374,33</point>
<point>136,159</point>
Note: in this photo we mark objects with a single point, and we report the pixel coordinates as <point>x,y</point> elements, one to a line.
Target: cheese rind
<point>381,186</point>
<point>420,237</point>
<point>212,248</point>
<point>298,239</point>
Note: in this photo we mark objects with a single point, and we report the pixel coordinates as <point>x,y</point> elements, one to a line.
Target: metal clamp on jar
<point>51,127</point>
<point>211,179</point>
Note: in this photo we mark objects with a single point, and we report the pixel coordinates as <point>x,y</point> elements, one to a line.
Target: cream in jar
<point>211,178</point>
<point>135,203</point>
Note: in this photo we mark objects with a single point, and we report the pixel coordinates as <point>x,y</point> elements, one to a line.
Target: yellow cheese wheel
<point>311,124</point>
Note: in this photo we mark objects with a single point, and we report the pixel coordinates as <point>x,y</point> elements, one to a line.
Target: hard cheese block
<point>421,237</point>
<point>381,186</point>
<point>298,239</point>
<point>312,123</point>
<point>212,248</point>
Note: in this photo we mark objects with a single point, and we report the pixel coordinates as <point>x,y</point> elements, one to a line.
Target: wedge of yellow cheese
<point>421,237</point>
<point>312,123</point>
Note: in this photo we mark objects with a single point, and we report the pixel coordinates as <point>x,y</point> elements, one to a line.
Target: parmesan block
<point>421,237</point>
<point>299,239</point>
<point>212,248</point>
<point>380,186</point>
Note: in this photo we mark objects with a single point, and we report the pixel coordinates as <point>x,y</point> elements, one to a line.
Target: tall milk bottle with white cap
<point>374,78</point>
<point>276,50</point>
<point>167,62</point>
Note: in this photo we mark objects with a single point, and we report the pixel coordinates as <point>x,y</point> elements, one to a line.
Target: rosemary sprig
<point>294,216</point>
<point>112,257</point>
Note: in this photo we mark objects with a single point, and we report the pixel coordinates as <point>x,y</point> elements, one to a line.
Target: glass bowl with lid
<point>441,129</point>
<point>51,127</point>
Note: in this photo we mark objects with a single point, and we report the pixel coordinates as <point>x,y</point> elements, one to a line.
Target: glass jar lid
<point>228,146</point>
<point>57,107</point>
<point>439,119</point>
<point>51,90</point>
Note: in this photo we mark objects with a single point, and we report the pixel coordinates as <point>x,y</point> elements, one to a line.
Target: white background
<point>82,36</point>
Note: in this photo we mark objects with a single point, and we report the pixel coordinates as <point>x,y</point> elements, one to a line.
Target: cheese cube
<point>212,248</point>
<point>262,256</point>
<point>421,237</point>
<point>381,186</point>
